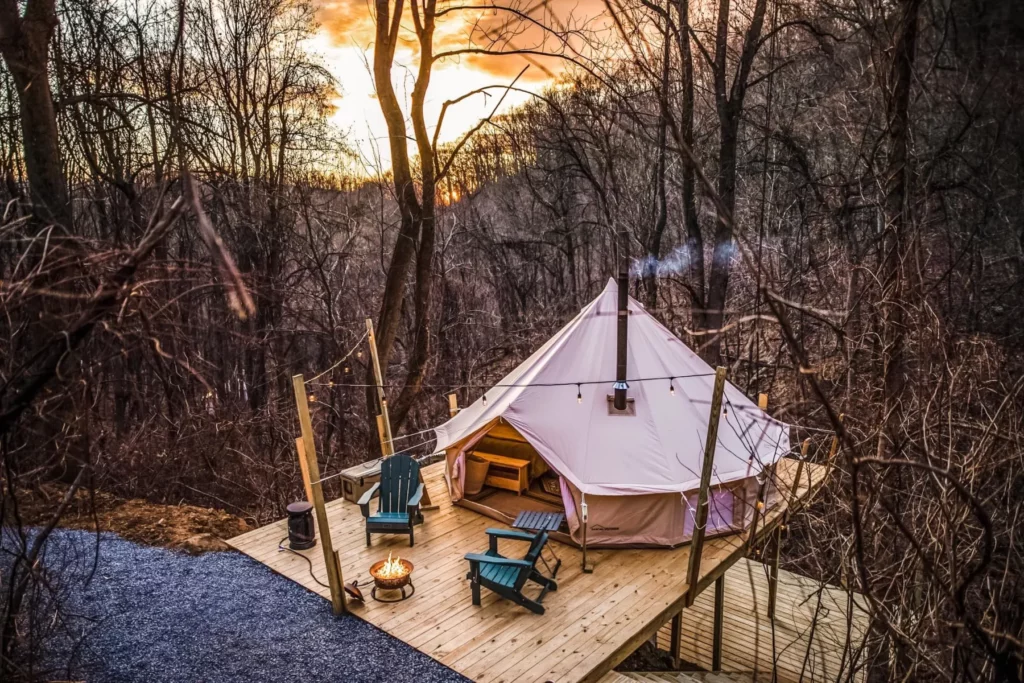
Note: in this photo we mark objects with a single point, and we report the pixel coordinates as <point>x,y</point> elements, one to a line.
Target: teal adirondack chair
<point>505,576</point>
<point>400,491</point>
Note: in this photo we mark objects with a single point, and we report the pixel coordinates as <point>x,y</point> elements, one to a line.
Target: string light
<point>312,398</point>
<point>671,387</point>
<point>485,400</point>
<point>579,394</point>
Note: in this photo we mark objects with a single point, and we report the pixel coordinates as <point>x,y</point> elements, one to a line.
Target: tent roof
<point>658,450</point>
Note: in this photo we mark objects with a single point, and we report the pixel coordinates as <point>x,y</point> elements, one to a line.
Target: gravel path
<point>155,615</point>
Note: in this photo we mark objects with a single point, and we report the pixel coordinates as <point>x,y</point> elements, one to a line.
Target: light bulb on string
<point>579,394</point>
<point>485,399</point>
<point>671,387</point>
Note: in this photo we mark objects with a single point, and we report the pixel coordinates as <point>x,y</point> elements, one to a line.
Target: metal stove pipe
<point>622,282</point>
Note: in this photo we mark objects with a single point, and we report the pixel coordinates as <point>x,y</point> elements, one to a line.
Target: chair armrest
<point>364,502</point>
<point>511,535</point>
<point>414,501</point>
<point>491,559</point>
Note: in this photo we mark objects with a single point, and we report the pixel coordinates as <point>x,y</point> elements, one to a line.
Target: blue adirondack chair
<point>400,491</point>
<point>505,576</point>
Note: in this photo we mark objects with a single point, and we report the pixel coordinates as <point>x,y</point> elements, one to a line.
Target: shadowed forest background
<point>825,196</point>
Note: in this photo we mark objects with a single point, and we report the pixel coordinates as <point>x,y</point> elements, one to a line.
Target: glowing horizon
<point>345,42</point>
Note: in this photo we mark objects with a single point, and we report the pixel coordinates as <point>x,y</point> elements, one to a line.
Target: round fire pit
<point>392,575</point>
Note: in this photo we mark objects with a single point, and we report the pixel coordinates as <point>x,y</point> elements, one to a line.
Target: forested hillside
<point>825,196</point>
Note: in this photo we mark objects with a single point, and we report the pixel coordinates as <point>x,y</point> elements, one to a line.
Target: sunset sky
<point>346,40</point>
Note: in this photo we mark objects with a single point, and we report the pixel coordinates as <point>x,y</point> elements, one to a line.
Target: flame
<point>392,569</point>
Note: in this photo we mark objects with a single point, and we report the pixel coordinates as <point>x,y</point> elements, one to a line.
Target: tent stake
<point>586,567</point>
<point>701,520</point>
<point>334,578</point>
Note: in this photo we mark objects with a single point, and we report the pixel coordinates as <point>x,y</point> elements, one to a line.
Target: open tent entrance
<point>505,475</point>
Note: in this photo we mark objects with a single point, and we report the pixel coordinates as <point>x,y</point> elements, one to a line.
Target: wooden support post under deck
<point>334,578</point>
<point>716,644</point>
<point>701,518</point>
<point>677,637</point>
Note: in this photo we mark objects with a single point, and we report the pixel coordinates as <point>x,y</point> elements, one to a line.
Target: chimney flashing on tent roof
<point>630,408</point>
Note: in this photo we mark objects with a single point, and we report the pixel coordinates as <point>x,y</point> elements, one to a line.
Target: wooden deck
<point>592,622</point>
<point>810,630</point>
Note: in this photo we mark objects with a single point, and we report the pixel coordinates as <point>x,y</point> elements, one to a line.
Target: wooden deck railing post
<point>716,644</point>
<point>794,492</point>
<point>773,577</point>
<point>334,578</point>
<point>762,489</point>
<point>701,518</point>
<point>304,468</point>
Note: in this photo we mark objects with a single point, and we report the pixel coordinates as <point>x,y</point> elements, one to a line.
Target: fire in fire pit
<point>390,575</point>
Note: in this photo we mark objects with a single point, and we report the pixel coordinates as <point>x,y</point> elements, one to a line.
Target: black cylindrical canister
<point>301,532</point>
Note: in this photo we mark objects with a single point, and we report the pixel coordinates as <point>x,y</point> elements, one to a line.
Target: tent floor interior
<point>592,622</point>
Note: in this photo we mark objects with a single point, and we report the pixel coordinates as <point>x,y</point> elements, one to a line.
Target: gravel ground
<point>155,615</point>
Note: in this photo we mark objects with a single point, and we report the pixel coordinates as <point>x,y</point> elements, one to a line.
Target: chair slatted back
<point>532,555</point>
<point>399,477</point>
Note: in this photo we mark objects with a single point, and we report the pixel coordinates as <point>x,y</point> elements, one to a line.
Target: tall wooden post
<point>834,448</point>
<point>762,489</point>
<point>701,519</point>
<point>304,468</point>
<point>795,490</point>
<point>334,578</point>
<point>453,405</point>
<point>716,642</point>
<point>387,444</point>
<point>773,576</point>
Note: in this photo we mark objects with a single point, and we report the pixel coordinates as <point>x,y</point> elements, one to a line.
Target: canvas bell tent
<point>638,470</point>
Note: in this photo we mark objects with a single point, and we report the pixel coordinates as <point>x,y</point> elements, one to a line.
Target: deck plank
<point>591,621</point>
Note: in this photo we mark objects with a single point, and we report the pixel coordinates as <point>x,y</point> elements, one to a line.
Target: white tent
<point>603,456</point>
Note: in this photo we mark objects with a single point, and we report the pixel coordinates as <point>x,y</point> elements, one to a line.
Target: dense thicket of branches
<point>851,166</point>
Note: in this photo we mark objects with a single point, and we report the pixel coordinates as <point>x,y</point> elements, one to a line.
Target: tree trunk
<point>729,104</point>
<point>25,43</point>
<point>897,225</point>
<point>650,273</point>
<point>694,237</point>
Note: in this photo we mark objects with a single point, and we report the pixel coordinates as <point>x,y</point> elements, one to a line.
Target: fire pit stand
<point>412,591</point>
<point>392,582</point>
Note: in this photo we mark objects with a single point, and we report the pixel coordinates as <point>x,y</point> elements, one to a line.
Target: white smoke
<point>675,263</point>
